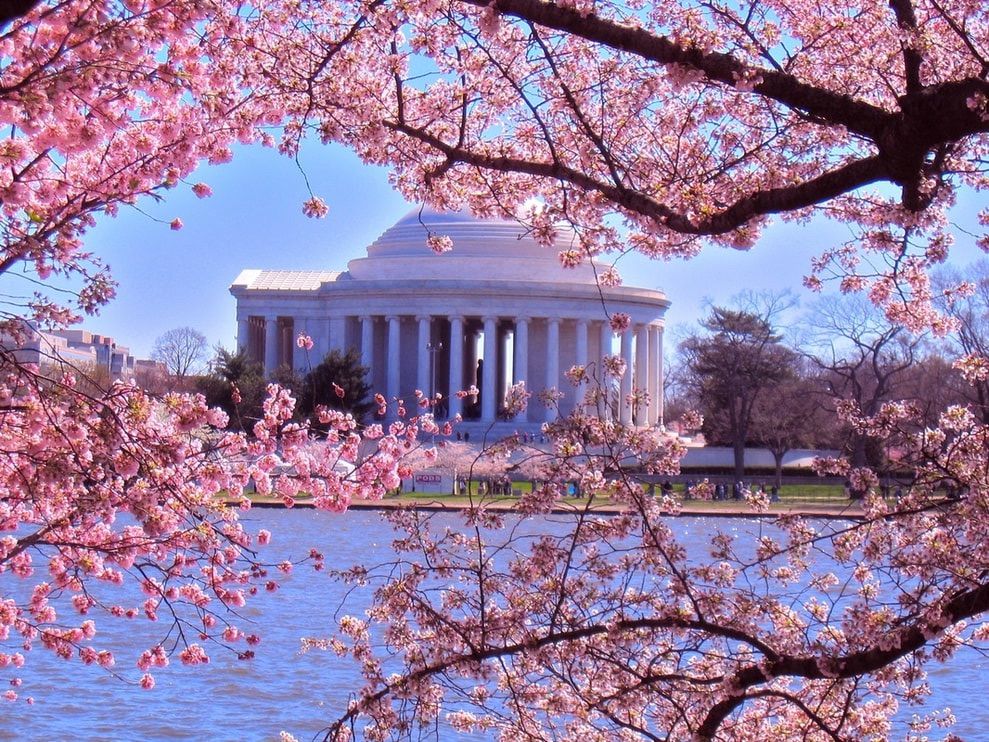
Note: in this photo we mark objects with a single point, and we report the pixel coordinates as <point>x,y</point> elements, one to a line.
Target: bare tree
<point>788,415</point>
<point>862,356</point>
<point>182,350</point>
<point>971,312</point>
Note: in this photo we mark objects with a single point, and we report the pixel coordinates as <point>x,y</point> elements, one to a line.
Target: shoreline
<point>707,508</point>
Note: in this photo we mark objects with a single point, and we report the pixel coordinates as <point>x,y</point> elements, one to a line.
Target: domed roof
<point>484,249</point>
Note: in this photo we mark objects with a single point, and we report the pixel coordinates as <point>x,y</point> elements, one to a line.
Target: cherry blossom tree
<point>102,104</point>
<point>659,127</point>
<point>664,127</point>
<point>668,126</point>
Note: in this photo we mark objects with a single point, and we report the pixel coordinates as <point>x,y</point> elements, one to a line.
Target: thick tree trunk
<point>10,10</point>
<point>738,448</point>
<point>858,456</point>
<point>778,457</point>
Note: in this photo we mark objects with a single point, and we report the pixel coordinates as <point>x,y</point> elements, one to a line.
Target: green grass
<point>826,496</point>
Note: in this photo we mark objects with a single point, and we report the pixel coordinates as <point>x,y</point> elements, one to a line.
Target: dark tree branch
<point>965,604</point>
<point>906,19</point>
<point>11,10</point>
<point>857,116</point>
<point>775,200</point>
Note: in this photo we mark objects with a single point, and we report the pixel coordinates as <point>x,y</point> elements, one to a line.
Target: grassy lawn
<point>816,497</point>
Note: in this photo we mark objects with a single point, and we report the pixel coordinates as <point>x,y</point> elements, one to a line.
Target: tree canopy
<point>338,382</point>
<point>739,358</point>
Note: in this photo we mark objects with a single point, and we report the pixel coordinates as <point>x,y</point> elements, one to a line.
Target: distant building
<point>77,348</point>
<point>496,309</point>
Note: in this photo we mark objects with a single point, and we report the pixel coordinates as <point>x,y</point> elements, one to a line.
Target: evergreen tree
<point>338,382</point>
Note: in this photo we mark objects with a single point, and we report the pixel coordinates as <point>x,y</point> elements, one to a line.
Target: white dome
<point>489,249</point>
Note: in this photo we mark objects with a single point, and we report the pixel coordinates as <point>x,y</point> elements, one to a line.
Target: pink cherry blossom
<point>315,208</point>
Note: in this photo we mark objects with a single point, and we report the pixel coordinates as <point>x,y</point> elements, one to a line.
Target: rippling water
<point>282,689</point>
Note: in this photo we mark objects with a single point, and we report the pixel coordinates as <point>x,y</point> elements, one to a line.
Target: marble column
<point>625,410</point>
<point>652,382</point>
<point>520,356</point>
<point>394,368</point>
<point>606,393</point>
<point>422,353</point>
<point>456,364</point>
<point>488,398</point>
<point>301,358</point>
<point>656,350</point>
<point>270,344</point>
<point>552,362</point>
<point>367,345</point>
<point>641,413</point>
<point>470,358</point>
<point>337,335</point>
<point>606,336</point>
<point>581,360</point>
<point>319,329</point>
<point>243,334</point>
<point>502,383</point>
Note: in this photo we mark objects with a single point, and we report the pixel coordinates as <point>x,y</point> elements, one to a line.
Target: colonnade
<point>445,351</point>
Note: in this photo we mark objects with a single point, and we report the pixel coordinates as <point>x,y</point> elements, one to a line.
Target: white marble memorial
<point>422,320</point>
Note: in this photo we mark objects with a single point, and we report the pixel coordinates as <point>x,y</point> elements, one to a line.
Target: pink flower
<point>613,366</point>
<point>202,190</point>
<point>147,681</point>
<point>194,655</point>
<point>176,224</point>
<point>620,322</point>
<point>304,341</point>
<point>315,208</point>
<point>577,374</point>
<point>439,243</point>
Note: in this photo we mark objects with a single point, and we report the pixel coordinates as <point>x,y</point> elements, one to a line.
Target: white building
<point>424,321</point>
<point>79,349</point>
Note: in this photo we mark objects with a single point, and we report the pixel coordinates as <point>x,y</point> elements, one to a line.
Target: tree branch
<point>833,183</point>
<point>841,110</point>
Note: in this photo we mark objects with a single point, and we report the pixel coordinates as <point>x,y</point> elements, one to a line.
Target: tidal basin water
<point>282,689</point>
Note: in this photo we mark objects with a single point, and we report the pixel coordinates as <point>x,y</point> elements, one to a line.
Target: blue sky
<point>254,220</point>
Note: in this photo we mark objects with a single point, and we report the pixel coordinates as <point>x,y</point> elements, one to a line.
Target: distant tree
<point>932,384</point>
<point>971,335</point>
<point>182,350</point>
<point>676,387</point>
<point>788,415</point>
<point>153,378</point>
<point>234,372</point>
<point>338,382</point>
<point>862,357</point>
<point>730,366</point>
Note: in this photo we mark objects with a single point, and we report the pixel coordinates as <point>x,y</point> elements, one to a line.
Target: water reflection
<point>282,689</point>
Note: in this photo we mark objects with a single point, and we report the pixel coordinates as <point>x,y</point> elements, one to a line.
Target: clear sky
<point>254,219</point>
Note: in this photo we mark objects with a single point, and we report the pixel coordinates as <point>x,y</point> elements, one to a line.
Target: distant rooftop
<point>284,280</point>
